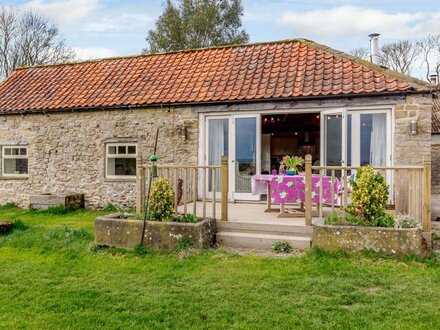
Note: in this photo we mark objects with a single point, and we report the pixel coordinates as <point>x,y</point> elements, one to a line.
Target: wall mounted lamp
<point>413,127</point>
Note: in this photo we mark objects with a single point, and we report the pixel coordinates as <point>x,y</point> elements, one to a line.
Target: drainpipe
<point>374,48</point>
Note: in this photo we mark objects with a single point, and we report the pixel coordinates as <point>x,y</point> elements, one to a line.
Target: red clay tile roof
<point>283,69</point>
<point>436,116</point>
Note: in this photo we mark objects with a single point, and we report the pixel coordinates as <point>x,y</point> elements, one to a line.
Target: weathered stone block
<point>111,230</point>
<point>393,241</point>
<point>44,201</point>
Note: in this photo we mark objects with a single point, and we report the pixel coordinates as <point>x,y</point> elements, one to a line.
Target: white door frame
<point>204,121</point>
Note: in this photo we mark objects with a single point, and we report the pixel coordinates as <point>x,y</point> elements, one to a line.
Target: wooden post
<point>225,188</point>
<point>426,212</point>
<point>140,189</point>
<point>308,163</point>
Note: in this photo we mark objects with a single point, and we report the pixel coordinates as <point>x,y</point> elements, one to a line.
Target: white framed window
<point>121,160</point>
<point>15,161</point>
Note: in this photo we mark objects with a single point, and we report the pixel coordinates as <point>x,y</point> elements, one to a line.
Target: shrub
<point>333,218</point>
<point>406,221</point>
<point>384,220</point>
<point>187,218</point>
<point>281,247</point>
<point>369,196</point>
<point>109,207</point>
<point>161,200</point>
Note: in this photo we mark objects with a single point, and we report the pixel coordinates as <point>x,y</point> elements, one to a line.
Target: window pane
<point>333,140</point>
<point>373,139</point>
<point>7,151</point>
<point>15,166</point>
<point>23,151</point>
<point>245,154</point>
<point>132,149</point>
<point>112,150</point>
<point>14,151</point>
<point>121,166</point>
<point>122,149</point>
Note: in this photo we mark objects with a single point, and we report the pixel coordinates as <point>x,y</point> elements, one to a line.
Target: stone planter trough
<point>393,241</point>
<point>111,230</point>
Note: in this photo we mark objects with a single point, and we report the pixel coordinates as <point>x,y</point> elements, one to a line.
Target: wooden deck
<point>251,212</point>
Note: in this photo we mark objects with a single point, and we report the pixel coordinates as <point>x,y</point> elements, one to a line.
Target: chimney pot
<point>433,78</point>
<point>374,47</point>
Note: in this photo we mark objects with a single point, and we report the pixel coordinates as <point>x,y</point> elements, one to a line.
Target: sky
<point>105,28</point>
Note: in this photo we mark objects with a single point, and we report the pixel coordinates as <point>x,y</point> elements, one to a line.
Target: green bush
<point>109,207</point>
<point>187,218</point>
<point>161,200</point>
<point>369,197</point>
<point>281,247</point>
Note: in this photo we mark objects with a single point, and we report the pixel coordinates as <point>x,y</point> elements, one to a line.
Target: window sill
<point>14,177</point>
<point>129,179</point>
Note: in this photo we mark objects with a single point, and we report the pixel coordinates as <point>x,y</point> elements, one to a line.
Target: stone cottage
<point>83,127</point>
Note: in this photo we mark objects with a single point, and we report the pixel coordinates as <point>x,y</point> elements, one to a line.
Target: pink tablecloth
<point>291,189</point>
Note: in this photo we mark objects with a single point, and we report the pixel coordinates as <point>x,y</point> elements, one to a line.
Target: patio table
<point>282,189</point>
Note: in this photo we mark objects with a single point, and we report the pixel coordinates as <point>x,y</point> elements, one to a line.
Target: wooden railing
<point>190,185</point>
<point>410,189</point>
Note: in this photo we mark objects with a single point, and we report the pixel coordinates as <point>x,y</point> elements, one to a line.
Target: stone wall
<point>410,149</point>
<point>385,240</point>
<point>67,150</point>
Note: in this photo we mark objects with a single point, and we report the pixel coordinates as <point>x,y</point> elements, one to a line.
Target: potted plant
<point>292,163</point>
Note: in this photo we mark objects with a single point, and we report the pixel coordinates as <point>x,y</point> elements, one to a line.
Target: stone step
<point>259,241</point>
<point>265,228</point>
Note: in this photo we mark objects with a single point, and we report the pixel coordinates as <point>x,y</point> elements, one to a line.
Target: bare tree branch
<point>399,56</point>
<point>362,52</point>
<point>28,38</point>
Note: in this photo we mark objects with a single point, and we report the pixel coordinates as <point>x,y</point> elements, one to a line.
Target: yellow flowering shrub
<point>369,196</point>
<point>161,200</point>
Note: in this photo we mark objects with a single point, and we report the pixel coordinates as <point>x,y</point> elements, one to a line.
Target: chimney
<point>374,48</point>
<point>433,78</point>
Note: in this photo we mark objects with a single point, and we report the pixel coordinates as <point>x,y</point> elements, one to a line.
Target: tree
<point>430,54</point>
<point>399,56</point>
<point>28,38</point>
<point>197,23</point>
<point>361,52</point>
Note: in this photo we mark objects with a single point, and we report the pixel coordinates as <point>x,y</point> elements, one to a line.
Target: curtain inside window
<point>217,146</point>
<point>378,140</point>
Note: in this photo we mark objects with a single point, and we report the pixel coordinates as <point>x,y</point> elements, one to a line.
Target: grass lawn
<point>52,276</point>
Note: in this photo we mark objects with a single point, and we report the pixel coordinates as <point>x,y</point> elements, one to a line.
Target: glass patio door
<point>239,138</point>
<point>368,138</point>
<point>217,146</point>
<point>245,154</point>
<point>333,138</point>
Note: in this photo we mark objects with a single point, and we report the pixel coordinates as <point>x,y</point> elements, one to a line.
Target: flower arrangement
<point>292,162</point>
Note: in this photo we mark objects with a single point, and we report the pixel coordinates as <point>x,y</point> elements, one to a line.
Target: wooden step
<point>259,240</point>
<point>265,228</point>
